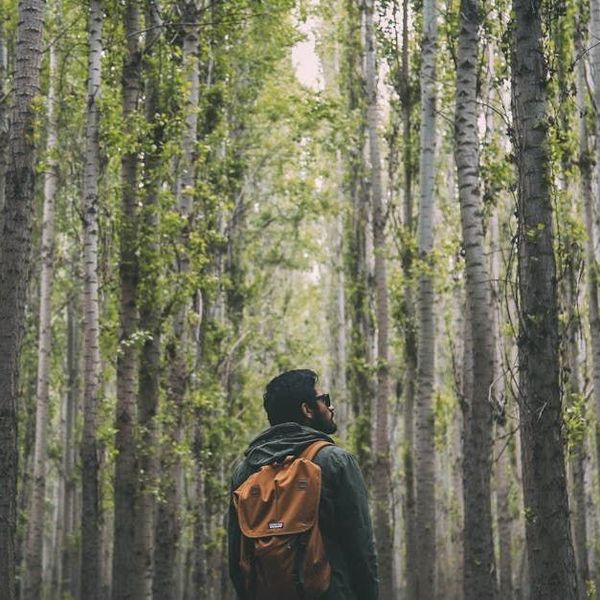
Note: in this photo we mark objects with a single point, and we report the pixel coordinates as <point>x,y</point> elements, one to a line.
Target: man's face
<point>322,418</point>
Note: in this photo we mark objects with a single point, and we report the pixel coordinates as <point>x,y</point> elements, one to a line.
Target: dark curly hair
<point>285,393</point>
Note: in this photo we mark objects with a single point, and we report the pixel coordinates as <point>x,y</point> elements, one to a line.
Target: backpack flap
<point>280,499</point>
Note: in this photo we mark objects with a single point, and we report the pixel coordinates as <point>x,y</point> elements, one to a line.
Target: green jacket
<point>344,512</point>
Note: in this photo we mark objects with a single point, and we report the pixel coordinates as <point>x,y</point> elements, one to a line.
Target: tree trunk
<point>549,546</point>
<point>408,308</point>
<point>124,563</point>
<point>586,166</point>
<point>35,524</point>
<point>15,249</point>
<point>479,571</point>
<point>381,440</point>
<point>358,377</point>
<point>90,510</point>
<point>502,454</point>
<point>425,448</point>
<point>3,113</point>
<point>150,320</point>
<point>69,551</point>
<point>168,520</point>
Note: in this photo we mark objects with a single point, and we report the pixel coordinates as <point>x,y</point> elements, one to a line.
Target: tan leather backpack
<point>282,553</point>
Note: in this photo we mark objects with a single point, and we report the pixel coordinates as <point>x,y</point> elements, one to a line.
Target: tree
<point>549,547</point>
<point>15,248</point>
<point>479,572</point>
<point>169,518</point>
<point>590,174</point>
<point>35,524</point>
<point>381,463</point>
<point>125,466</point>
<point>90,544</point>
<point>425,449</point>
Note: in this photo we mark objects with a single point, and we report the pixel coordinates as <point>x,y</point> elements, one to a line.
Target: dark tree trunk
<point>124,563</point>
<point>15,250</point>
<point>549,546</point>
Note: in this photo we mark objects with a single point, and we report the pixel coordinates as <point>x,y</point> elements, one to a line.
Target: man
<point>300,415</point>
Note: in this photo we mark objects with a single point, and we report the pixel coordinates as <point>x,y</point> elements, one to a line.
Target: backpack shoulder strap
<point>312,449</point>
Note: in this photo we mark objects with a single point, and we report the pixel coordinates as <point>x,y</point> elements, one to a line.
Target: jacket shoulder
<point>333,459</point>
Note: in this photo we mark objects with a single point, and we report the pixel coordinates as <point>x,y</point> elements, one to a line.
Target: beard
<point>324,423</point>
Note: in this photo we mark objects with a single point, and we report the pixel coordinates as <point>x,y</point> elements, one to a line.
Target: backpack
<point>282,554</point>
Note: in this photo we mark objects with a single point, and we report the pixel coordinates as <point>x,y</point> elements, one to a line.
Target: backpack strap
<point>312,449</point>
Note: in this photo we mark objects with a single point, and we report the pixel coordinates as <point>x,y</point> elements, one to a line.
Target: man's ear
<point>307,411</point>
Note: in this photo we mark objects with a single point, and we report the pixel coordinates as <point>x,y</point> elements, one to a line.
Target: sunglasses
<point>325,399</point>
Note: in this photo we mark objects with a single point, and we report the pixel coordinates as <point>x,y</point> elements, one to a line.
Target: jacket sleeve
<point>358,545</point>
<point>234,537</point>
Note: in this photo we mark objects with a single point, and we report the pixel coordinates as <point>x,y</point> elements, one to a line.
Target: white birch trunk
<point>35,524</point>
<point>381,439</point>
<point>91,330</point>
<point>479,570</point>
<point>425,447</point>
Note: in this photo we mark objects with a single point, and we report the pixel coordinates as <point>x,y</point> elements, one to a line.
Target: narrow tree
<point>90,545</point>
<point>35,524</point>
<point>381,462</point>
<point>590,174</point>
<point>425,449</point>
<point>125,468</point>
<point>168,526</point>
<point>150,314</point>
<point>549,547</point>
<point>360,344</point>
<point>3,112</point>
<point>403,89</point>
<point>15,249</point>
<point>479,573</point>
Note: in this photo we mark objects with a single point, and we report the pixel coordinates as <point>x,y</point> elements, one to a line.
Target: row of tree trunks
<point>550,551</point>
<point>425,448</point>
<point>15,250</point>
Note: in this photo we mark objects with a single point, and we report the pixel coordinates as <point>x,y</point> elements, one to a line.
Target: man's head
<point>293,396</point>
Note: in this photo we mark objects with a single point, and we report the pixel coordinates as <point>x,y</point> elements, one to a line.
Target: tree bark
<point>381,441</point>
<point>169,519</point>
<point>124,562</point>
<point>585,169</point>
<point>360,344</point>
<point>150,318</point>
<point>69,557</point>
<point>588,173</point>
<point>425,447</point>
<point>3,114</point>
<point>479,571</point>
<point>15,249</point>
<point>90,510</point>
<point>549,546</point>
<point>35,524</point>
<point>403,88</point>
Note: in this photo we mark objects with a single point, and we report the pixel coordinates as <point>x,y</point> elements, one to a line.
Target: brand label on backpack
<point>276,525</point>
